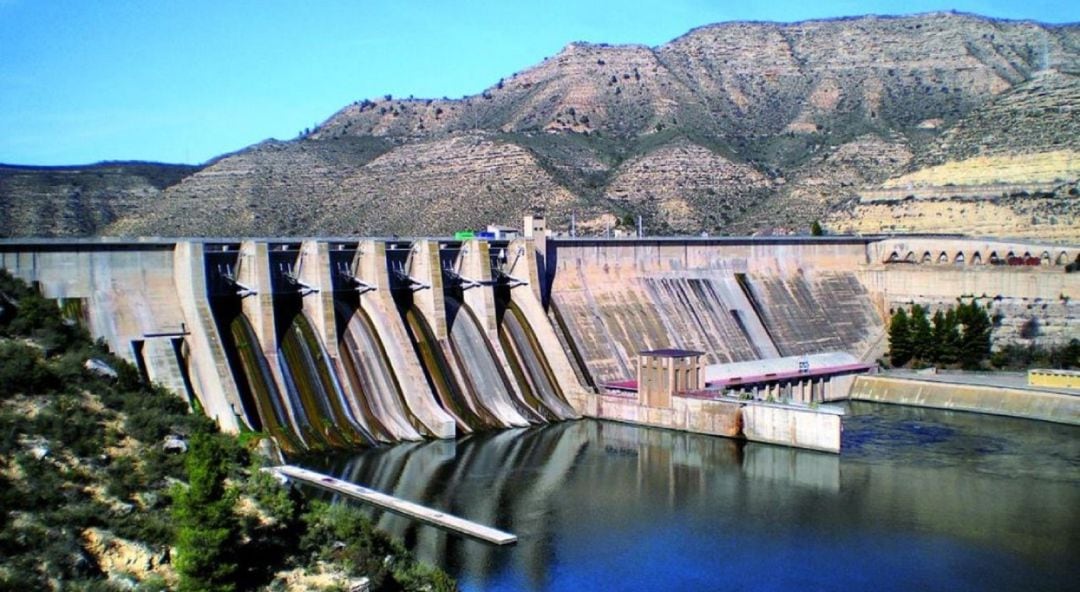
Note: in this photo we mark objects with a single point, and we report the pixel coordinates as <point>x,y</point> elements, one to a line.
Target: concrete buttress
<point>207,364</point>
<point>370,266</point>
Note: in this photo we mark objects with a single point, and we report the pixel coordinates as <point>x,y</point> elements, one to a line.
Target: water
<point>919,499</point>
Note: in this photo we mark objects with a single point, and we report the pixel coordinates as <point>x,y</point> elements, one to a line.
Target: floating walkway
<point>399,506</point>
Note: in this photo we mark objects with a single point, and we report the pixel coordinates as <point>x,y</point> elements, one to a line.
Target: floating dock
<point>398,506</point>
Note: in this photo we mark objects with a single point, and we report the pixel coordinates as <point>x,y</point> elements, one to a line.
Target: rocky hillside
<point>731,128</point>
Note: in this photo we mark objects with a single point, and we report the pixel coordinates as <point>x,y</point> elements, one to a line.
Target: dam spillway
<point>342,343</point>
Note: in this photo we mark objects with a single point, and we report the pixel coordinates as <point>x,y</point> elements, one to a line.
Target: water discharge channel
<point>918,499</point>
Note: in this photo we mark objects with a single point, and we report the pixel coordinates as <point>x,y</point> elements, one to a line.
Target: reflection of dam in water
<point>927,499</point>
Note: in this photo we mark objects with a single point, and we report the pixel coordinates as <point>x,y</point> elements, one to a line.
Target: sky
<point>84,81</point>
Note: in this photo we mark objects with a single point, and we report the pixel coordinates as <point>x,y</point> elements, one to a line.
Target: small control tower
<point>664,372</point>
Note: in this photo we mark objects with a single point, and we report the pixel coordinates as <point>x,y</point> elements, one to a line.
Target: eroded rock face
<point>731,128</point>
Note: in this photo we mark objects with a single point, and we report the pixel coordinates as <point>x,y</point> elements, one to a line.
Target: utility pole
<point>573,224</point>
<point>639,226</point>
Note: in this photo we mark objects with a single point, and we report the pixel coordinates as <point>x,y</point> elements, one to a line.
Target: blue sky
<point>182,81</point>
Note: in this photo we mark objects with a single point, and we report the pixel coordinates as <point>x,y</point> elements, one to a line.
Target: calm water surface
<point>919,499</point>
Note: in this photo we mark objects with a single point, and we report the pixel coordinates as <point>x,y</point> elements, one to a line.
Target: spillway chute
<point>311,382</point>
<point>530,365</point>
<point>377,389</point>
<point>256,378</point>
<point>486,382</point>
<point>467,415</point>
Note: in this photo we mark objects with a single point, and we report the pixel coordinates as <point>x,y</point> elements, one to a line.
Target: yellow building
<point>1069,379</point>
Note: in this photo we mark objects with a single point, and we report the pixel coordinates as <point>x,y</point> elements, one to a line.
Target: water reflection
<point>920,499</point>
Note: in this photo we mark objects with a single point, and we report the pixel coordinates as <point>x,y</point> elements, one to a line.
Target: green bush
<point>23,370</point>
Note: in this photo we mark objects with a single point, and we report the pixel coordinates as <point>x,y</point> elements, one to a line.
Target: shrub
<point>207,529</point>
<point>23,370</point>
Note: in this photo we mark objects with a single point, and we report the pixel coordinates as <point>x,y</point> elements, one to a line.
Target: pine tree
<point>921,335</point>
<point>946,335</point>
<point>207,529</point>
<point>975,336</point>
<point>899,339</point>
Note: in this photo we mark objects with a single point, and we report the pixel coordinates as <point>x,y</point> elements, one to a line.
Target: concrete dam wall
<point>341,343</point>
<point>739,299</point>
<point>734,299</point>
<point>323,344</point>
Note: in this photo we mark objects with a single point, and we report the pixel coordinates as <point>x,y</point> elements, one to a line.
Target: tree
<point>816,229</point>
<point>946,336</point>
<point>207,529</point>
<point>899,339</point>
<point>921,335</point>
<point>975,336</point>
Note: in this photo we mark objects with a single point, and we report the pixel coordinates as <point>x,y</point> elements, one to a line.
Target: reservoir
<point>917,499</point>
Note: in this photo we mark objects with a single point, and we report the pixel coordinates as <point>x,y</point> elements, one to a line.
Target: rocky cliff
<point>731,128</point>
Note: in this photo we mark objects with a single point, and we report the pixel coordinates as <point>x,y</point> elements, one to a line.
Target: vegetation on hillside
<point>91,498</point>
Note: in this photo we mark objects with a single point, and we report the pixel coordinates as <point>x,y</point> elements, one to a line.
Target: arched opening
<point>976,259</point>
<point>959,260</point>
<point>943,257</point>
<point>895,257</point>
<point>910,257</point>
<point>1062,259</point>
<point>927,257</point>
<point>1045,257</point>
<point>994,259</point>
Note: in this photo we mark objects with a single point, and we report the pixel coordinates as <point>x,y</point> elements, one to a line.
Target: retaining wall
<point>1029,404</point>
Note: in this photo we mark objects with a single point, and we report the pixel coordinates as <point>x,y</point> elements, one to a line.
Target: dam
<point>347,343</point>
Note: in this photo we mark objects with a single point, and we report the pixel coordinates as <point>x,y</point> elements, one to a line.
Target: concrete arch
<point>959,259</point>
<point>943,258</point>
<point>1045,257</point>
<point>895,257</point>
<point>927,257</point>
<point>1062,259</point>
<point>976,259</point>
<point>994,259</point>
<point>910,258</point>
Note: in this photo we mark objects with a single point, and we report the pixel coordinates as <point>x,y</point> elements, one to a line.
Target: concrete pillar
<point>207,365</point>
<point>521,263</point>
<point>313,270</point>
<point>370,266</point>
<point>474,263</point>
<point>253,271</point>
<point>535,232</point>
<point>423,265</point>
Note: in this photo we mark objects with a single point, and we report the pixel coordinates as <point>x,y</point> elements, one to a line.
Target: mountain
<point>80,200</point>
<point>864,123</point>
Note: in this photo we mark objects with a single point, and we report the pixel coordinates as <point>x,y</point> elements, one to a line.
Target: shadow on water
<point>919,499</point>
